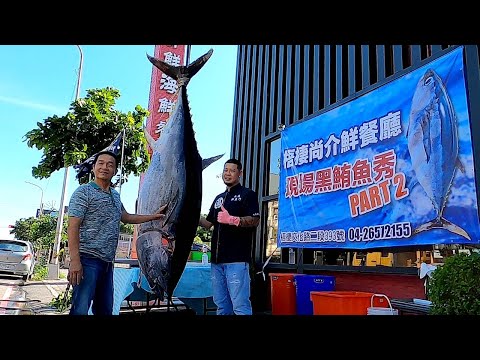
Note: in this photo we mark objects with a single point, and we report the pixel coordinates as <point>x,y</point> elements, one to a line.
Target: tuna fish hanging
<point>173,178</point>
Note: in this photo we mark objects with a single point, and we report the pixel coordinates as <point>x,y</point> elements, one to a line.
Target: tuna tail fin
<point>442,223</point>
<point>181,73</point>
<point>209,161</point>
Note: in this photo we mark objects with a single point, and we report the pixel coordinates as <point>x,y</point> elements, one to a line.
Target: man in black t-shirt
<point>234,214</point>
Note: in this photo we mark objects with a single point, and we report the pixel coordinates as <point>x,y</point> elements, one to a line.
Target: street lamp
<point>41,198</point>
<point>58,232</point>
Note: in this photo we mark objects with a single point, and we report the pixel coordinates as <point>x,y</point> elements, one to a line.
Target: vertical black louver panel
<point>239,90</point>
<point>246,102</point>
<point>380,62</point>
<point>435,49</point>
<point>266,110</point>
<point>397,58</point>
<point>338,73</point>
<point>297,94</point>
<point>305,82</point>
<point>250,119</point>
<point>288,86</point>
<point>365,66</point>
<point>326,75</point>
<point>388,61</point>
<point>416,54</point>
<point>280,118</point>
<point>316,73</point>
<point>351,69</point>
<point>274,70</point>
<point>257,121</point>
<point>406,56</point>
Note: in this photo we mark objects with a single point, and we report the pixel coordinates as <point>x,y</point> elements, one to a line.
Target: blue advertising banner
<point>393,167</point>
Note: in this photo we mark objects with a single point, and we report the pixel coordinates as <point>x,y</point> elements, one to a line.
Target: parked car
<point>17,257</point>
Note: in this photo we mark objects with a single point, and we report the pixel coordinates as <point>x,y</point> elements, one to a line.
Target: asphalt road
<point>32,297</point>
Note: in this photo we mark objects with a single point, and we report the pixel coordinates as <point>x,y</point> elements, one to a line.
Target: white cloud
<point>32,105</point>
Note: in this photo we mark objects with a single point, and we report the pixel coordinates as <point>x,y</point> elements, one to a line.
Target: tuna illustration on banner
<point>86,167</point>
<point>432,135</point>
<point>174,179</point>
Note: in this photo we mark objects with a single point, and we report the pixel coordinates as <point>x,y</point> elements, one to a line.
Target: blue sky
<point>40,81</point>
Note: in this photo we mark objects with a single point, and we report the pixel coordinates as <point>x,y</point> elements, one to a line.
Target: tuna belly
<point>154,257</point>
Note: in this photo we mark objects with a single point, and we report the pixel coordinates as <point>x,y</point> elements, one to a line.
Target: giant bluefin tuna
<point>174,179</point>
<point>432,136</point>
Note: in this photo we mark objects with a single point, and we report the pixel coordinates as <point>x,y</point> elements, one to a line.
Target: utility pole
<point>53,268</point>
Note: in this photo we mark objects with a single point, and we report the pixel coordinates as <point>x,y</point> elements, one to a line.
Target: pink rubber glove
<point>224,217</point>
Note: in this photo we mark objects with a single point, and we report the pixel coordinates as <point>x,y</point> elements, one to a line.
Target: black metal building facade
<point>278,85</point>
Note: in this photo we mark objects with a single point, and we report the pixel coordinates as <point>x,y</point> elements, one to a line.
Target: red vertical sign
<point>163,90</point>
<point>162,99</point>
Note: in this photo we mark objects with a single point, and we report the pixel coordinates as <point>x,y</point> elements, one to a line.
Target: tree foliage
<point>455,286</point>
<point>91,125</point>
<point>126,228</point>
<point>39,231</point>
<point>203,234</point>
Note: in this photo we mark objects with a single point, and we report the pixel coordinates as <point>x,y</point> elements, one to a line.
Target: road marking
<point>5,298</point>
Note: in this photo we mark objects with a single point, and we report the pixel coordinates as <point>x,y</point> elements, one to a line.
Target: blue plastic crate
<point>304,284</point>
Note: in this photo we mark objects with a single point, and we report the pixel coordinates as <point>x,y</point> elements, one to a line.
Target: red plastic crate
<point>344,302</point>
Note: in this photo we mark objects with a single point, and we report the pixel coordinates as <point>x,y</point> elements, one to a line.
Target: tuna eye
<point>428,80</point>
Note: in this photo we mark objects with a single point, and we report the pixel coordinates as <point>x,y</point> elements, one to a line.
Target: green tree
<point>23,229</point>
<point>126,228</point>
<point>455,286</point>
<point>91,125</point>
<point>203,234</point>
<point>39,231</point>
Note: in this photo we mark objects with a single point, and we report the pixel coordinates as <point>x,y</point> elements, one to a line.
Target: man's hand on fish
<point>160,214</point>
<point>224,217</point>
<point>138,219</point>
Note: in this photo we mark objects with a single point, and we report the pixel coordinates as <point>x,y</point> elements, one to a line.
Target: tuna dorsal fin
<point>181,73</point>
<point>207,162</point>
<point>150,139</point>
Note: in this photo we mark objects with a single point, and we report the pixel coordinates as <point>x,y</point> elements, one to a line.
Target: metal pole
<point>41,198</point>
<point>189,50</point>
<point>121,162</point>
<point>58,232</point>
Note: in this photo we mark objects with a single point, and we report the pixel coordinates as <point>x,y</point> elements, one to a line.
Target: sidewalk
<point>43,292</point>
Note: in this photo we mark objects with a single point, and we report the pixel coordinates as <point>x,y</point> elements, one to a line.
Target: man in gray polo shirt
<point>95,212</point>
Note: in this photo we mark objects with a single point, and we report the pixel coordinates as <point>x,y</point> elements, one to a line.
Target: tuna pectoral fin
<point>460,166</point>
<point>442,223</point>
<point>150,139</point>
<point>207,162</point>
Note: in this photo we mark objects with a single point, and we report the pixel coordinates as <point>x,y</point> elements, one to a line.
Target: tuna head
<point>154,255</point>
